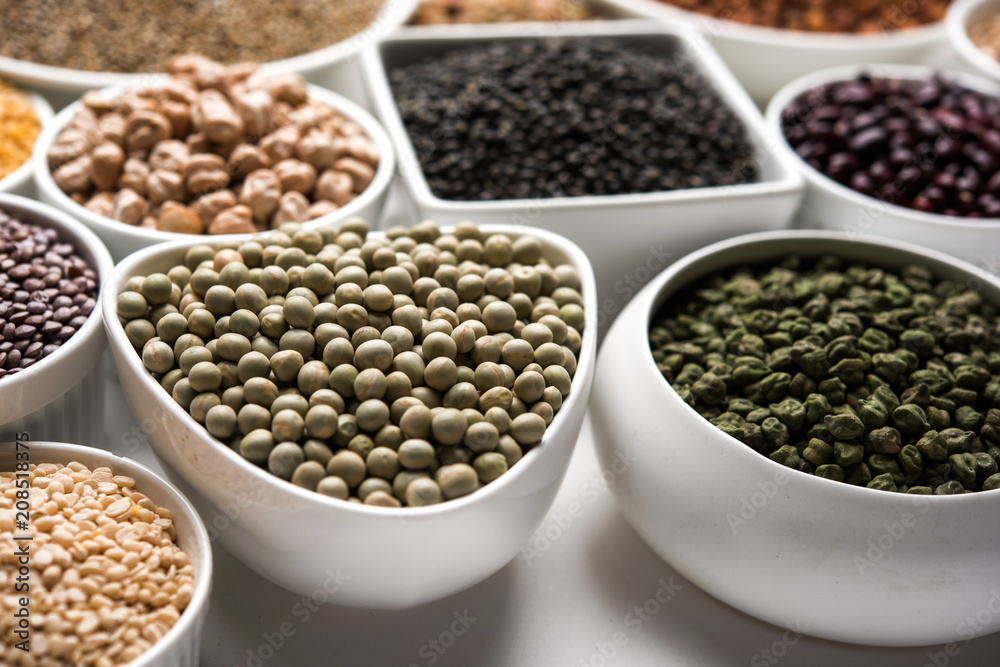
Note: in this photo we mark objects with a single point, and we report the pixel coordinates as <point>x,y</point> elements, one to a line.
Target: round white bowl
<point>830,205</point>
<point>821,557</point>
<point>332,64</point>
<point>123,239</point>
<point>349,554</point>
<point>180,647</point>
<point>963,15</point>
<point>19,181</point>
<point>24,396</point>
<point>764,59</point>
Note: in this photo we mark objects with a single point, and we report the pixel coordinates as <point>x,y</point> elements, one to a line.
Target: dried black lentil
<point>565,117</point>
<point>897,373</point>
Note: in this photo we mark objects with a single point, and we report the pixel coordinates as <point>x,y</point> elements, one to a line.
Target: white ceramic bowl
<point>180,647</point>
<point>831,205</point>
<point>963,15</point>
<point>629,237</point>
<point>765,59</point>
<point>19,181</point>
<point>822,557</point>
<point>333,66</point>
<point>61,395</point>
<point>354,555</point>
<point>123,239</point>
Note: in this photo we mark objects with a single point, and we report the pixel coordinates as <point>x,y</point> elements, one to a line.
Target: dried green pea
<point>256,446</point>
<point>423,491</point>
<point>204,375</point>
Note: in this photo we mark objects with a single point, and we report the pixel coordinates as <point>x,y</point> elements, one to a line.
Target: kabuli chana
<point>107,580</point>
<point>874,377</point>
<point>406,369</point>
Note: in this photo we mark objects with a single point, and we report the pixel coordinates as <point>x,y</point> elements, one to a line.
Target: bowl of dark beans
<point>630,121</point>
<point>51,336</point>
<point>899,151</point>
<point>818,423</point>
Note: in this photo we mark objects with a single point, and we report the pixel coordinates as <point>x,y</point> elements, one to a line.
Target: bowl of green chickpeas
<point>342,404</point>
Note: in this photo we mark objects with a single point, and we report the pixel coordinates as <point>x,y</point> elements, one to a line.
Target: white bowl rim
<point>770,37</point>
<point>653,298</point>
<point>392,13</point>
<point>49,216</point>
<point>180,506</point>
<point>22,174</point>
<point>957,27</point>
<point>574,254</point>
<point>372,127</point>
<point>809,81</point>
<point>721,80</point>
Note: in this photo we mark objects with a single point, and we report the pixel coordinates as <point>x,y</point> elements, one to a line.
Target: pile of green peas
<point>406,369</point>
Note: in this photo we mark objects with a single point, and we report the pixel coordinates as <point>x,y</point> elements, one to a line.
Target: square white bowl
<point>630,237</point>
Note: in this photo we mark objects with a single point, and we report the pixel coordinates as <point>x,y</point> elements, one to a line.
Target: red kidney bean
<point>931,144</point>
<point>40,277</point>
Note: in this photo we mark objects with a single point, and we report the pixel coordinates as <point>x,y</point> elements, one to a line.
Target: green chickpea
<point>448,426</point>
<point>349,466</point>
<point>171,327</point>
<point>490,466</point>
<point>374,354</point>
<point>499,418</point>
<point>156,288</point>
<point>260,391</point>
<point>441,373</point>
<point>328,332</point>
<point>158,357</point>
<point>411,365</point>
<point>308,475</point>
<point>299,340</point>
<point>363,335</point>
<point>481,437</point>
<point>460,396</point>
<point>202,403</point>
<point>337,352</point>
<point>342,379</point>
<point>131,305</point>
<point>529,386</point>
<point>334,487</point>
<point>372,415</point>
<point>328,397</point>
<point>180,275</point>
<point>233,397</point>
<point>264,345</point>
<point>204,375</point>
<point>373,485</point>
<point>170,380</point>
<point>456,480</point>
<point>416,422</point>
<point>290,400</point>
<point>183,394</point>
<point>298,312</point>
<point>253,365</point>
<point>423,491</point>
<point>370,383</point>
<point>232,346</point>
<point>139,332</point>
<point>317,450</point>
<point>382,462</point>
<point>287,425</point>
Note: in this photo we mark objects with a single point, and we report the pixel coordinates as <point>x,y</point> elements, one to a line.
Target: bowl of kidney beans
<point>901,151</point>
<point>51,329</point>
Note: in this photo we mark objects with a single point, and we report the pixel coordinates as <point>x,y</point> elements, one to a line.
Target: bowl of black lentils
<point>51,337</point>
<point>391,409</point>
<point>610,133</point>
<point>898,151</point>
<point>818,423</point>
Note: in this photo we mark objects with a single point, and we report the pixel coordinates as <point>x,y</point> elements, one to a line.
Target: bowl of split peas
<point>345,403</point>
